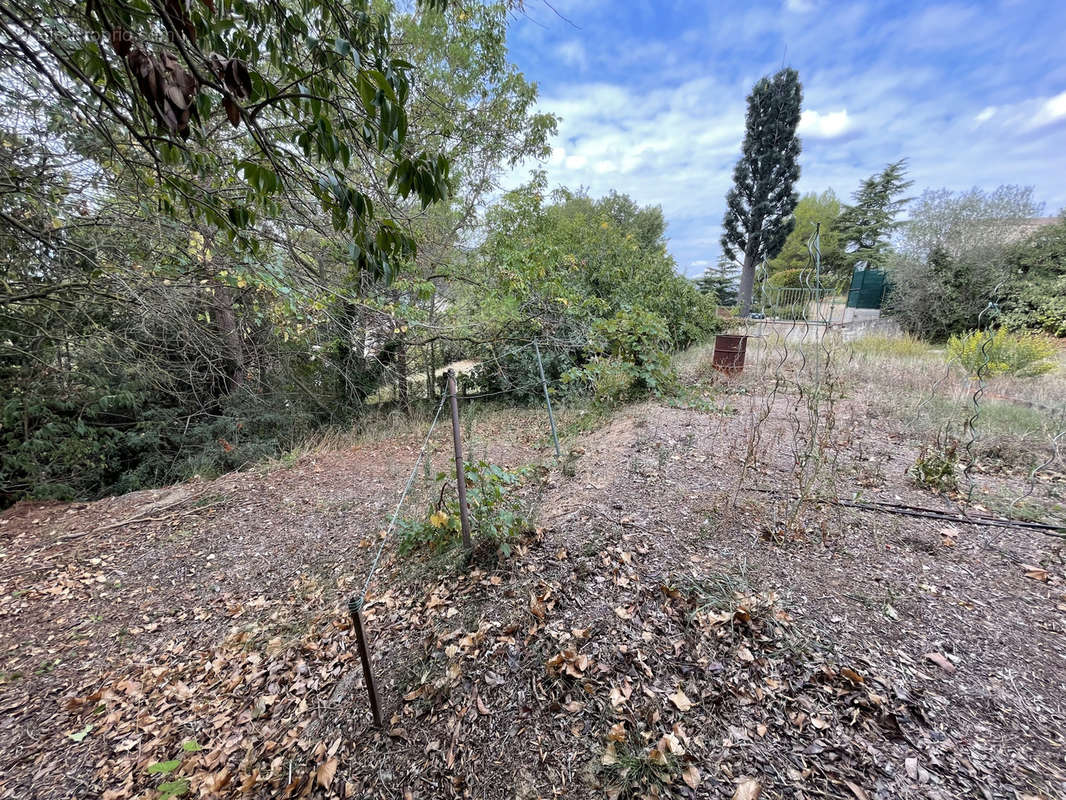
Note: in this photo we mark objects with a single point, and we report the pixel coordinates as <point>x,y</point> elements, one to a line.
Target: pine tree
<point>720,282</point>
<point>759,209</point>
<point>866,225</point>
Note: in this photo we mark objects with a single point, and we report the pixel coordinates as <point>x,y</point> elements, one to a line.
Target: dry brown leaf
<point>744,654</point>
<point>680,700</point>
<point>691,776</point>
<point>610,755</point>
<point>617,733</point>
<point>1035,573</point>
<point>851,675</point>
<point>326,771</point>
<point>856,790</point>
<point>941,661</point>
<point>747,789</point>
<point>619,694</point>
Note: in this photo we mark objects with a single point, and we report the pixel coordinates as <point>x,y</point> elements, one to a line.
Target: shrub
<point>791,279</point>
<point>629,357</point>
<point>495,512</point>
<point>934,469</point>
<point>1023,355</point>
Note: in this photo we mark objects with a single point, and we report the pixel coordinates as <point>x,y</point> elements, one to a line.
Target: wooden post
<point>460,471</point>
<point>363,641</point>
<point>547,399</point>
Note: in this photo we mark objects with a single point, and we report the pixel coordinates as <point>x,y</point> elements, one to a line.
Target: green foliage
<point>586,278</point>
<point>720,283</point>
<point>760,203</point>
<point>1035,297</point>
<point>812,208</point>
<point>495,512</point>
<point>791,279</point>
<point>954,258</point>
<point>1000,352</point>
<point>935,468</point>
<point>866,226</point>
<point>206,124</point>
<point>178,306</point>
<point>629,358</point>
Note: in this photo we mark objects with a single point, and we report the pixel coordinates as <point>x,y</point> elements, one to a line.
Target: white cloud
<point>830,125</point>
<point>986,114</point>
<point>572,53</point>
<point>575,162</point>
<point>1052,109</point>
<point>800,6</point>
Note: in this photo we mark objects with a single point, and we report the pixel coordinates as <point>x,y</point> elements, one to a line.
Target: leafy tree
<point>1035,296</point>
<point>814,208</point>
<point>138,348</point>
<point>552,270</point>
<point>720,282</point>
<point>866,226</point>
<point>953,258</point>
<point>759,210</point>
<point>232,112</point>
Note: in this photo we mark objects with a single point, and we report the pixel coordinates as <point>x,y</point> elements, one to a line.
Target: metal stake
<point>355,608</point>
<point>547,399</point>
<point>460,472</point>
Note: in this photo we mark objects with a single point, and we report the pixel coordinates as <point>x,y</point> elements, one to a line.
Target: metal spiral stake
<point>992,311</point>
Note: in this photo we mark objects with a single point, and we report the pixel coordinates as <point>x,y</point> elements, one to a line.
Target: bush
<point>495,512</point>
<point>629,357</point>
<point>792,279</point>
<point>1023,355</point>
<point>935,467</point>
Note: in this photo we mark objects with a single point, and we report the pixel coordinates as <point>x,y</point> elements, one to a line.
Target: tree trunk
<point>747,280</point>
<point>226,321</point>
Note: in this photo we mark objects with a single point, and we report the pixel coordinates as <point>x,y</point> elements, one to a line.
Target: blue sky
<point>652,96</point>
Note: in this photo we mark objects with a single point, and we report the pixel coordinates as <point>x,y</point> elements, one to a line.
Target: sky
<point>651,97</point>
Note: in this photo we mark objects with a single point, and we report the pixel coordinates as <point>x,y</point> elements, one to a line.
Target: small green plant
<point>1024,355</point>
<point>495,512</point>
<point>178,786</point>
<point>935,468</point>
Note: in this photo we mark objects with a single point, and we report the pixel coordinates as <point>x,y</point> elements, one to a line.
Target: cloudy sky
<point>652,96</point>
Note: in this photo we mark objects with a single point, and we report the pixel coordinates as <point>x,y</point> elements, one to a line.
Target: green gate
<point>868,288</point>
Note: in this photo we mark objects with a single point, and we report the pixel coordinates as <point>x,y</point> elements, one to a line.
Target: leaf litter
<point>665,653</point>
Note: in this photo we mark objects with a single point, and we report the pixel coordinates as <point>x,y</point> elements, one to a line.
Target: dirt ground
<point>676,626</point>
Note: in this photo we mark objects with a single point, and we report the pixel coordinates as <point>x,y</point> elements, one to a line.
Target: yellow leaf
<point>439,519</point>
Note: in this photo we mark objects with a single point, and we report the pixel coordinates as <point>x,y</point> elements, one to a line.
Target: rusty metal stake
<point>355,607</point>
<point>460,472</point>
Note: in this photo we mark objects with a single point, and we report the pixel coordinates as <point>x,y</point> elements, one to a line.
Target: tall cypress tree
<point>866,225</point>
<point>759,207</point>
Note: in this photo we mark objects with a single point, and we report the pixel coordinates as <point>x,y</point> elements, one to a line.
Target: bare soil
<point>664,631</point>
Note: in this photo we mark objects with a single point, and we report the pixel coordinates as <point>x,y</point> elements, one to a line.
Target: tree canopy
<point>866,226</point>
<point>760,203</point>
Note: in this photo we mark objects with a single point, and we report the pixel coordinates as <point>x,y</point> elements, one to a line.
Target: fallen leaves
<point>569,662</point>
<point>1036,573</point>
<point>680,700</point>
<point>747,789</point>
<point>940,660</point>
<point>621,693</point>
<point>691,776</point>
<point>325,772</point>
